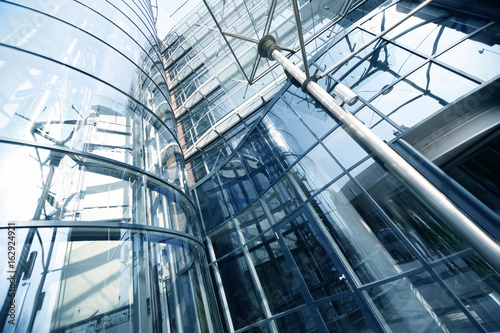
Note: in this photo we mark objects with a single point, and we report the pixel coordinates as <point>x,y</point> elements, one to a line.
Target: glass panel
<point>287,133</point>
<point>224,240</point>
<point>373,121</point>
<point>417,303</point>
<point>212,203</point>
<point>309,252</point>
<point>85,189</point>
<point>297,322</point>
<point>309,111</point>
<point>109,280</point>
<point>280,286</point>
<point>430,31</point>
<point>253,221</point>
<point>314,170</point>
<point>263,328</point>
<point>281,199</point>
<point>477,286</point>
<point>344,148</point>
<point>263,166</point>
<point>244,304</point>
<point>427,90</point>
<point>372,249</point>
<point>234,180</point>
<point>479,55</point>
<point>427,232</point>
<point>344,315</point>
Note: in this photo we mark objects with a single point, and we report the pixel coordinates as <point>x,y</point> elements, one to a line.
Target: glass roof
<point>235,27</point>
<point>236,20</point>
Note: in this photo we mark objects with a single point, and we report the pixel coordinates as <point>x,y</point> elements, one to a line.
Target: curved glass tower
<point>97,231</point>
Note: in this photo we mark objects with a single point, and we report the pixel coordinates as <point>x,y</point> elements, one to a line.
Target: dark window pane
<point>297,322</point>
<point>244,305</point>
<point>311,257</point>
<point>344,315</point>
<point>280,286</point>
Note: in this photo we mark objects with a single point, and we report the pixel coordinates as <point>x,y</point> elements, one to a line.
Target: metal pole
<point>298,26</point>
<point>458,221</point>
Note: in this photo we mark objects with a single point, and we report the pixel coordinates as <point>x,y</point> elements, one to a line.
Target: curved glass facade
<point>98,231</point>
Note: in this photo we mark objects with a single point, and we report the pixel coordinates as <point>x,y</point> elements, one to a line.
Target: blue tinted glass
<point>224,240</point>
<point>262,165</point>
<point>425,230</point>
<point>381,68</point>
<point>311,112</point>
<point>281,199</point>
<point>479,55</point>
<point>477,286</point>
<point>418,304</point>
<point>426,90</point>
<point>344,315</point>
<point>278,283</point>
<point>239,188</point>
<point>312,259</point>
<point>315,170</point>
<point>287,133</point>
<point>344,148</point>
<point>430,30</point>
<point>240,292</point>
<point>213,207</point>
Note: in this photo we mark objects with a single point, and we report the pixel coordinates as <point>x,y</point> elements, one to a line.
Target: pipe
<point>458,221</point>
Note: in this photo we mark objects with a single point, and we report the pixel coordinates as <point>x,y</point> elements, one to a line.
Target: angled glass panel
<point>297,322</point>
<point>479,55</point>
<point>313,171</point>
<point>287,132</point>
<point>281,199</point>
<point>430,31</point>
<point>253,221</point>
<point>224,240</point>
<point>344,315</point>
<point>241,294</point>
<point>476,285</point>
<point>429,235</point>
<point>280,286</point>
<point>312,258</point>
<point>368,244</point>
<point>418,303</point>
<point>428,89</point>
<point>344,148</point>
<point>311,112</point>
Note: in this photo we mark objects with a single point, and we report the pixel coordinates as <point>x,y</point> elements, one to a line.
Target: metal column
<point>458,221</point>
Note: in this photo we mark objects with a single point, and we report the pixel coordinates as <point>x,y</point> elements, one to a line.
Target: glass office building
<point>306,228</point>
<point>192,185</point>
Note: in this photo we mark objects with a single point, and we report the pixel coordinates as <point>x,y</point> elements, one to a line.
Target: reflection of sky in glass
<point>430,31</point>
<point>478,55</point>
<point>421,94</point>
<point>345,149</point>
<point>19,183</point>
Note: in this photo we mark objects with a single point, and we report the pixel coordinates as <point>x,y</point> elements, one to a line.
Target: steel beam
<point>478,239</point>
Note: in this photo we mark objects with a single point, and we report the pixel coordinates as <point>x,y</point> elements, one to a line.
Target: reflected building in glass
<point>192,185</point>
<point>306,228</point>
<point>98,231</point>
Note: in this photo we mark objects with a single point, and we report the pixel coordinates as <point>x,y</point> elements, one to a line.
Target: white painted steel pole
<point>477,238</point>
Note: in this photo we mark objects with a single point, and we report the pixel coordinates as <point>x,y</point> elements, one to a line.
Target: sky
<point>171,12</point>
